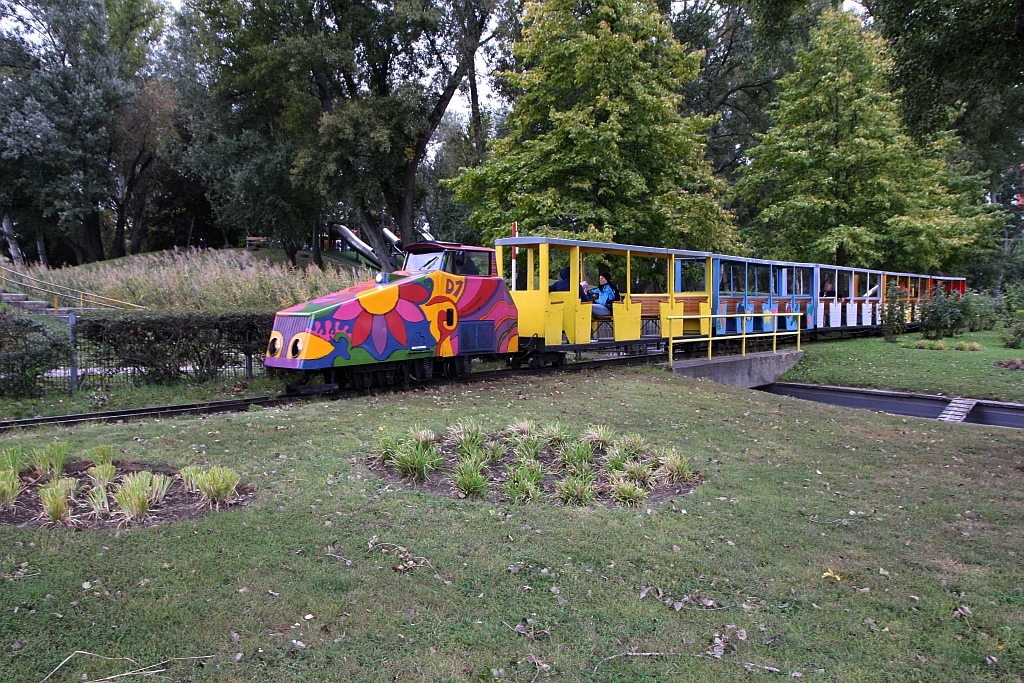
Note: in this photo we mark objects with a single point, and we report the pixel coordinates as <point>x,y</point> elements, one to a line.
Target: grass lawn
<point>871,362</point>
<point>921,521</point>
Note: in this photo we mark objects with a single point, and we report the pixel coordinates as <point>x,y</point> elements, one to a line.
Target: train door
<point>762,302</point>
<point>828,298</point>
<point>786,287</point>
<point>731,287</point>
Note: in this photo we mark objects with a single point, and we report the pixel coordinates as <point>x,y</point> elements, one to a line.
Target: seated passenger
<point>603,295</point>
<point>469,267</point>
<point>562,283</point>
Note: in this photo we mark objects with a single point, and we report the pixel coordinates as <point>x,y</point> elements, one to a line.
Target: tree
<point>836,180</point>
<point>593,149</point>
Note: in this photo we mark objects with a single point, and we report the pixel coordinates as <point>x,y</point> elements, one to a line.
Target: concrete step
<point>8,298</point>
<point>957,409</point>
<point>31,306</point>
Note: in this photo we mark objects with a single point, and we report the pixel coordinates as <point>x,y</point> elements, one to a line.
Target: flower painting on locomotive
<point>447,301</point>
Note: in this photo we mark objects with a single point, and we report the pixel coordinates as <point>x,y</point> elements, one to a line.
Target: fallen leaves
<point>831,575</point>
<point>693,600</point>
<point>724,641</point>
<point>406,560</point>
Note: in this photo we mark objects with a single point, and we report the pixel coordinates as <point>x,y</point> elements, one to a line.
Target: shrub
<point>189,476</point>
<point>944,315</point>
<point>469,479</point>
<point>1012,335</point>
<point>10,487</point>
<point>28,350</point>
<point>894,313</point>
<point>983,311</point>
<point>132,497</point>
<point>975,346</point>
<point>417,459</point>
<point>1013,302</point>
<point>626,492</point>
<point>218,484</point>
<point>56,506</point>
<point>576,489</point>
<point>12,459</point>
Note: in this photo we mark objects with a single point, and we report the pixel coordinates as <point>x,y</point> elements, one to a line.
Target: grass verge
<point>844,545</point>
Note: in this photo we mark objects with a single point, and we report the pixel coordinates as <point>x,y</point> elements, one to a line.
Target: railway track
<point>236,405</point>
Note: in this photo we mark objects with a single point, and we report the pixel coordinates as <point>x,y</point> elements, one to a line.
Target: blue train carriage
<point>447,305</point>
<point>848,297</point>
<point>759,287</point>
<point>654,285</point>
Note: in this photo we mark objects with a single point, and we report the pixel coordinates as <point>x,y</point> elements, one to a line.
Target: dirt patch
<point>1010,363</point>
<point>177,504</point>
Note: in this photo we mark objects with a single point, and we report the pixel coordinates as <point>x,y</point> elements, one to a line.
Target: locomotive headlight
<point>276,342</point>
<point>382,278</point>
<point>295,348</point>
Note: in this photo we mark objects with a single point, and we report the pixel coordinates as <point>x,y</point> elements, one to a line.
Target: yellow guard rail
<point>80,298</point>
<point>711,337</point>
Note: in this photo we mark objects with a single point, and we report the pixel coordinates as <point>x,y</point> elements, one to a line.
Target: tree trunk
<point>373,236</point>
<point>192,224</point>
<point>41,249</point>
<point>92,237</point>
<point>121,213</point>
<point>12,241</point>
<point>318,258</point>
<point>841,255</point>
<point>476,122</point>
<point>291,250</point>
<point>138,230</point>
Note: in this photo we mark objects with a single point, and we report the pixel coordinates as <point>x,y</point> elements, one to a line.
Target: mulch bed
<point>177,504</point>
<point>441,482</point>
<point>1010,363</point>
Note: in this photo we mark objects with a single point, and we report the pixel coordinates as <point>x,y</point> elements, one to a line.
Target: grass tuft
<point>465,435</point>
<point>577,457</point>
<point>132,497</point>
<point>39,461</point>
<point>523,483</point>
<point>97,501</point>
<point>12,459</point>
<point>639,473</point>
<point>218,485</point>
<point>55,499</point>
<point>469,479</point>
<point>158,487</point>
<point>675,468</point>
<point>102,455</point>
<point>615,459</point>
<point>556,436</point>
<point>189,476</point>
<point>101,475</point>
<point>10,487</point>
<point>417,459</point>
<point>626,491</point>
<point>521,429</point>
<point>598,436</point>
<point>632,446</point>
<point>576,489</point>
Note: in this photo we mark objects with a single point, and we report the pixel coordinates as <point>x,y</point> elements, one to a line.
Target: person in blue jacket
<point>603,295</point>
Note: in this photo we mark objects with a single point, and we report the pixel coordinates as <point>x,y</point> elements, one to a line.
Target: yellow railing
<point>78,298</point>
<point>712,337</point>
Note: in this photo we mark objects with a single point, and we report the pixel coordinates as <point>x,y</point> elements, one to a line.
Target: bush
<point>217,485</point>
<point>164,349</point>
<point>982,311</point>
<point>894,313</point>
<point>1012,335</point>
<point>29,349</point>
<point>944,315</point>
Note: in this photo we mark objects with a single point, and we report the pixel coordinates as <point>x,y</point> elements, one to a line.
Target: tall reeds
<point>217,280</point>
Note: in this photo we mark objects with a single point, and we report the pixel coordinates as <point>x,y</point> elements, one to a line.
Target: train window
<point>862,284</point>
<point>785,276</point>
<point>424,261</point>
<point>827,286</point>
<point>913,287</point>
<point>477,263</point>
<point>874,290</point>
<point>724,278</point>
<point>764,279</point>
<point>649,274</point>
<point>690,275</point>
<point>802,282</point>
<point>843,288</point>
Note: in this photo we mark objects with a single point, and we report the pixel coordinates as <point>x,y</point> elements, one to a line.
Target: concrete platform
<point>749,371</point>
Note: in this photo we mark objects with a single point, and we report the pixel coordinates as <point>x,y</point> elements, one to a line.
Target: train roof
<point>432,246</point>
<point>597,246</point>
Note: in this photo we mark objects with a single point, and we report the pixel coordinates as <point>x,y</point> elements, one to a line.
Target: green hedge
<point>29,349</point>
<point>163,349</point>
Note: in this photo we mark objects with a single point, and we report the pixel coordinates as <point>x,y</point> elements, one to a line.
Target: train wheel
<point>451,369</point>
<point>362,379</point>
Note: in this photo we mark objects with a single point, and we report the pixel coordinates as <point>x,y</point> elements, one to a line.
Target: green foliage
<point>466,435</point>
<point>836,180</point>
<point>165,349</point>
<point>101,475</point>
<point>639,473</point>
<point>189,477</point>
<point>944,315</point>
<point>217,484</point>
<point>591,150</point>
<point>576,489</point>
<point>102,455</point>
<point>1012,335</point>
<point>556,435</point>
<point>598,436</point>
<point>577,457</point>
<point>982,311</point>
<point>469,479</point>
<point>58,456</point>
<point>97,501</point>
<point>39,459</point>
<point>523,482</point>
<point>132,497</point>
<point>626,492</point>
<point>417,459</point>
<point>632,446</point>
<point>56,506</point>
<point>12,458</point>
<point>894,313</point>
<point>675,467</point>
<point>158,486</point>
<point>28,350</point>
<point>10,486</point>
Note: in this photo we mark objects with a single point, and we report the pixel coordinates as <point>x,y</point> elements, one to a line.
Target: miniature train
<point>452,302</point>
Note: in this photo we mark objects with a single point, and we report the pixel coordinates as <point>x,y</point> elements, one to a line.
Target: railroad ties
<point>957,409</point>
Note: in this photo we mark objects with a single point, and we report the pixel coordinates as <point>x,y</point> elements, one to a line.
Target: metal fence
<point>48,354</point>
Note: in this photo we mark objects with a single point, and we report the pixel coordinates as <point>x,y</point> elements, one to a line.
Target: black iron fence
<point>66,353</point>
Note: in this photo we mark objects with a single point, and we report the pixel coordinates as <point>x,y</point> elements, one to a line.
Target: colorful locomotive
<point>452,302</point>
